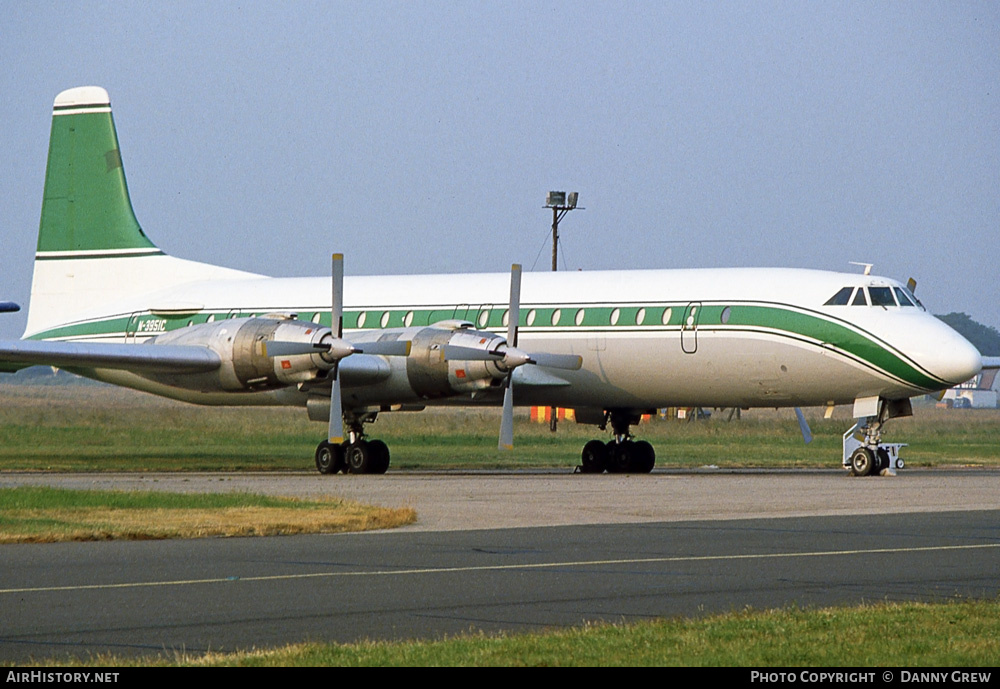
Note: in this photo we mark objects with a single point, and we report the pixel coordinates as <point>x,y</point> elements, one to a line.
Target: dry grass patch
<point>45,515</point>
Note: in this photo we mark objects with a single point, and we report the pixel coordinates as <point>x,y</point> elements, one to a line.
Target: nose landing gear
<point>864,453</point>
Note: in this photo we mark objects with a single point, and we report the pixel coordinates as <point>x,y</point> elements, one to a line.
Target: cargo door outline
<point>689,327</point>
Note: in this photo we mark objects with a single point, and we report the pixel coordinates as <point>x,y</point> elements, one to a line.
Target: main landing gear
<point>621,455</point>
<point>357,455</point>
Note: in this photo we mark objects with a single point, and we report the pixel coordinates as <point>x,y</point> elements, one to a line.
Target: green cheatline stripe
<point>80,106</point>
<point>769,319</point>
<point>68,256</point>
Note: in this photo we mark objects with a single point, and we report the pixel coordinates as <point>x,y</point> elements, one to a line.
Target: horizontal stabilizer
<point>146,358</point>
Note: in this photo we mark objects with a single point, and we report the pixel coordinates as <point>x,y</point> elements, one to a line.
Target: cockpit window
<point>841,298</point>
<point>902,297</point>
<point>859,298</point>
<point>881,296</point>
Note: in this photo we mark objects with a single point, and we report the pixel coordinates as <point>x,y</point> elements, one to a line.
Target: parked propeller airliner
<point>107,304</point>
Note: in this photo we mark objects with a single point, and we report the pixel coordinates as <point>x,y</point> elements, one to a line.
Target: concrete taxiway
<point>505,552</point>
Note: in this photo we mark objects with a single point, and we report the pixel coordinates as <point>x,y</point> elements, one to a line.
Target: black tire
<point>378,462</point>
<point>358,457</point>
<point>862,462</point>
<point>643,457</point>
<point>594,457</point>
<point>620,457</point>
<point>329,458</point>
<point>882,460</point>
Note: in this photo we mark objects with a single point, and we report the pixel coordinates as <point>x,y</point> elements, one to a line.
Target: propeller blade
<point>568,362</point>
<point>460,353</point>
<point>384,347</point>
<point>337,304</point>
<point>804,426</point>
<point>507,422</point>
<point>514,305</point>
<point>336,432</point>
<point>275,348</point>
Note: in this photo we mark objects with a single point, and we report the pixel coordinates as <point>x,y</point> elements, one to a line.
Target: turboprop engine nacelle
<point>431,375</point>
<point>241,344</point>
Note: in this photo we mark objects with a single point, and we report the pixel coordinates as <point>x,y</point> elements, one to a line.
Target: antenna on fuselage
<point>867,266</point>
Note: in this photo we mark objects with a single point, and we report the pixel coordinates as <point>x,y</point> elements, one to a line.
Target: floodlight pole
<point>561,204</point>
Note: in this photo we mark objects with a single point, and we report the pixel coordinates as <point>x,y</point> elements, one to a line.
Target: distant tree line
<point>985,338</point>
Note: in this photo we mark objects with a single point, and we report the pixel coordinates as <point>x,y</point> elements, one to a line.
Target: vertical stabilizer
<point>86,209</point>
<point>93,258</point>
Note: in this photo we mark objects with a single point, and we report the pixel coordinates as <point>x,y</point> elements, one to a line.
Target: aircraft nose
<point>957,360</point>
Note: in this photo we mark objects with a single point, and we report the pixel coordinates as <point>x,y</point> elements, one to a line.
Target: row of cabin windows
<point>872,296</point>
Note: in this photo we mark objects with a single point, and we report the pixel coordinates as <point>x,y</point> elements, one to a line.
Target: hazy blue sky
<point>422,136</point>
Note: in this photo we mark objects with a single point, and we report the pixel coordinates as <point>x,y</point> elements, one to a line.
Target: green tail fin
<point>86,209</point>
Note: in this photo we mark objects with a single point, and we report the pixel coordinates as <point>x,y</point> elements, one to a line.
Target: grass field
<point>902,635</point>
<point>98,428</point>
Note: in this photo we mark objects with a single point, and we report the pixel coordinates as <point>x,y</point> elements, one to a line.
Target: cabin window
<point>726,313</point>
<point>315,318</point>
<point>484,318</point>
<point>579,317</point>
<point>881,296</point>
<point>361,319</point>
<point>505,318</point>
<point>555,316</point>
<point>384,321</point>
<point>667,313</point>
<point>615,315</point>
<point>408,319</point>
<point>859,298</point>
<point>841,298</point>
<point>902,297</point>
<point>640,316</point>
<point>531,317</point>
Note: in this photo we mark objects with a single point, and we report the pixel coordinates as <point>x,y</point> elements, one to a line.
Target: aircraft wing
<point>129,357</point>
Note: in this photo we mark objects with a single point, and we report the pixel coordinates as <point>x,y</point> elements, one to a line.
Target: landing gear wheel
<point>643,457</point>
<point>620,457</point>
<point>594,458</point>
<point>329,458</point>
<point>862,462</point>
<point>358,457</point>
<point>378,461</point>
<point>882,460</point>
